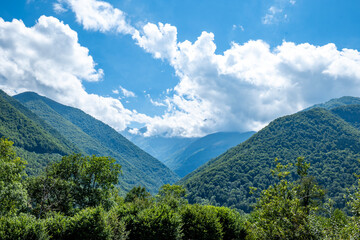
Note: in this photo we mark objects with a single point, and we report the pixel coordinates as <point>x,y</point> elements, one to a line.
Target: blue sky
<point>182,68</point>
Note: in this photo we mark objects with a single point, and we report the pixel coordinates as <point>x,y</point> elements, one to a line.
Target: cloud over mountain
<point>48,59</point>
<point>242,88</point>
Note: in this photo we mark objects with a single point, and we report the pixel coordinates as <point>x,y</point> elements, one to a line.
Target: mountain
<point>34,139</point>
<point>203,149</point>
<point>162,148</point>
<point>92,136</point>
<point>327,141</point>
<point>28,131</point>
<point>337,102</point>
<point>183,155</point>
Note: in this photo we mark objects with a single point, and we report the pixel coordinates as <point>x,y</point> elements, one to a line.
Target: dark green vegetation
<point>77,198</point>
<point>204,149</point>
<point>328,139</point>
<point>184,155</point>
<point>28,130</point>
<point>36,141</point>
<point>91,136</point>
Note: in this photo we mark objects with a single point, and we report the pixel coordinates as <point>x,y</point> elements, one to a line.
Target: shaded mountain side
<point>328,142</point>
<point>350,113</point>
<point>203,149</point>
<point>94,137</point>
<point>28,131</point>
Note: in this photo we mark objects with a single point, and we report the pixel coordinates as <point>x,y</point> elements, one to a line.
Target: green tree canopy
<point>76,182</point>
<point>13,195</point>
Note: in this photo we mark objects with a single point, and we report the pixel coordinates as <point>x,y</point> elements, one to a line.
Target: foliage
<point>200,222</point>
<point>282,212</point>
<point>137,194</point>
<point>156,222</point>
<point>329,143</point>
<point>13,195</point>
<point>172,195</point>
<point>22,227</point>
<point>75,182</point>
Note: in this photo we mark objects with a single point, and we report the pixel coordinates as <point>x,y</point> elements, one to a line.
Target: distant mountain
<point>329,142</point>
<point>162,148</point>
<point>183,155</point>
<point>203,149</point>
<point>92,136</point>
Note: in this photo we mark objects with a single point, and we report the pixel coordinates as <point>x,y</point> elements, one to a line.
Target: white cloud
<point>276,13</point>
<point>48,59</point>
<point>272,15</point>
<point>126,92</point>
<point>241,89</point>
<point>59,8</point>
<point>99,16</point>
<point>250,84</point>
<point>115,91</point>
<point>160,40</point>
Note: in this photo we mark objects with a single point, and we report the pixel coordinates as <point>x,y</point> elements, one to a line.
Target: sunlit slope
<point>328,142</point>
<point>94,137</point>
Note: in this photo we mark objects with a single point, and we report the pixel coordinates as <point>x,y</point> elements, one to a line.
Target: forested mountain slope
<point>28,131</point>
<point>203,149</point>
<point>92,136</point>
<point>327,141</point>
<point>337,102</point>
<point>35,140</point>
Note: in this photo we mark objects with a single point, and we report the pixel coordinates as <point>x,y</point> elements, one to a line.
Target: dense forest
<point>328,139</point>
<point>77,198</point>
<point>66,175</point>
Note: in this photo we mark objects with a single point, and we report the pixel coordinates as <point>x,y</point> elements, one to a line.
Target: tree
<point>137,194</point>
<point>76,182</point>
<point>13,195</point>
<point>172,195</point>
<point>200,222</point>
<point>282,212</point>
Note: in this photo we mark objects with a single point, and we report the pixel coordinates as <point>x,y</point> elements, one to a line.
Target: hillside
<point>203,149</point>
<point>328,142</point>
<point>92,136</point>
<point>28,131</point>
<point>337,102</point>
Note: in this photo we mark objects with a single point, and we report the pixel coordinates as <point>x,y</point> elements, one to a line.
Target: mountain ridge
<point>327,141</point>
<point>139,167</point>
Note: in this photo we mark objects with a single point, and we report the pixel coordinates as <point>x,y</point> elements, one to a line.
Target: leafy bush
<point>22,227</point>
<point>200,222</point>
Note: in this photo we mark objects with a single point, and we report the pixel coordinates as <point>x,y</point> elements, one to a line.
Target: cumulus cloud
<point>251,84</point>
<point>241,89</point>
<point>160,40</point>
<point>98,16</point>
<point>48,59</point>
<point>248,85</point>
